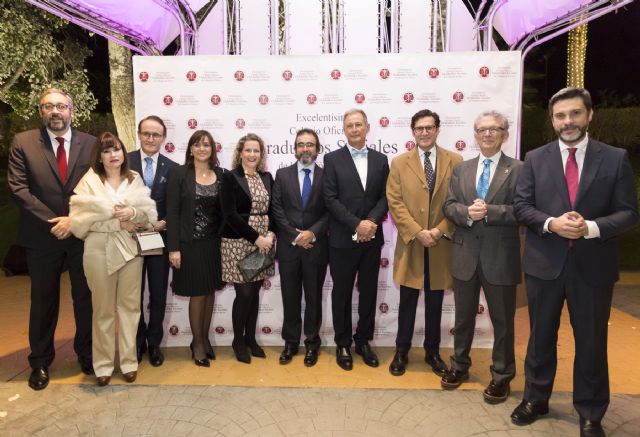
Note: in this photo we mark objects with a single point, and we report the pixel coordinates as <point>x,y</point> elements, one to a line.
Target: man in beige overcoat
<point>416,190</point>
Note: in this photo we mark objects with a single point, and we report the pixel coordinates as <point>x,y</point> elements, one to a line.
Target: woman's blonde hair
<point>237,155</point>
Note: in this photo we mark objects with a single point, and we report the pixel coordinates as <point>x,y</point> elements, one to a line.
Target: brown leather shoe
<point>130,376</point>
<point>496,392</point>
<point>103,380</point>
<point>453,379</point>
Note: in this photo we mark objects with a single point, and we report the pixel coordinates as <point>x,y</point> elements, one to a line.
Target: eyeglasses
<point>425,129</point>
<point>154,135</point>
<point>49,107</point>
<point>306,145</point>
<point>491,130</point>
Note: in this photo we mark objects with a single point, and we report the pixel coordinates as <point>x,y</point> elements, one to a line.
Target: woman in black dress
<point>193,221</point>
<point>246,201</point>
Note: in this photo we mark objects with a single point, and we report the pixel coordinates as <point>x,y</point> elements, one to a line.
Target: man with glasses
<point>416,191</point>
<point>486,253</point>
<point>302,220</point>
<point>155,170</point>
<point>44,167</point>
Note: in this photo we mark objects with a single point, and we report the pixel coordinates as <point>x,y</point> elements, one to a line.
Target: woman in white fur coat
<point>110,202</point>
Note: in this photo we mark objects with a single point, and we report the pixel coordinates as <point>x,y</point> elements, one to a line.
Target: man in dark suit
<point>155,170</point>
<point>486,253</point>
<point>354,192</point>
<point>302,250</point>
<point>44,167</point>
<point>575,195</point>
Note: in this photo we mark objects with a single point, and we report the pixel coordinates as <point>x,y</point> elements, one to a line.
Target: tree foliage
<point>39,50</point>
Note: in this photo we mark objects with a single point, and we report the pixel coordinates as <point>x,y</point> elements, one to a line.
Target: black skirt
<point>200,268</point>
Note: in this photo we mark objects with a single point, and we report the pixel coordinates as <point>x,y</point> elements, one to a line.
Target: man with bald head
<point>44,167</point>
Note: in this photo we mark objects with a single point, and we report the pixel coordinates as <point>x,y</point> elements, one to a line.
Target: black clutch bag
<point>256,262</point>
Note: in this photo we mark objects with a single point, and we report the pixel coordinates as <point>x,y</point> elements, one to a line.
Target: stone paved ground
<point>175,410</point>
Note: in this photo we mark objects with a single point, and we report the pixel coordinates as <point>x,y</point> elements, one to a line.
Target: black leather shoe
<point>453,379</point>
<point>210,353</point>
<point>437,365</point>
<point>287,354</point>
<point>39,378</point>
<point>202,363</point>
<point>399,364</point>
<point>241,353</point>
<point>141,349</point>
<point>368,355</point>
<point>155,356</point>
<point>496,392</point>
<point>86,365</point>
<point>589,428</point>
<point>310,357</point>
<point>344,358</point>
<point>527,412</point>
<point>256,350</point>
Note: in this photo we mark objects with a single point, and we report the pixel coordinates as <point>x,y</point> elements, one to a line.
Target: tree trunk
<point>576,56</point>
<point>122,101</point>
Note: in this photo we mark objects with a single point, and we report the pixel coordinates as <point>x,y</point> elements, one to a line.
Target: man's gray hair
<point>354,111</point>
<point>56,91</point>
<point>495,114</point>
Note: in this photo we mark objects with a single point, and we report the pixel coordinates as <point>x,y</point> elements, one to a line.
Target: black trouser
<point>345,264</point>
<point>45,267</point>
<point>589,308</point>
<point>156,270</point>
<point>295,275</point>
<point>432,314</point>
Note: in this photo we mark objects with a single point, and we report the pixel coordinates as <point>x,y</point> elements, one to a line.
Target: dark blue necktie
<point>306,186</point>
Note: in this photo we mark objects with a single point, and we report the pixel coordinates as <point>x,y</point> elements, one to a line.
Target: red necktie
<point>61,157</point>
<point>571,175</point>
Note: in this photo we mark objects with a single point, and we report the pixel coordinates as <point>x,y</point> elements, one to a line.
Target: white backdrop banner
<point>273,96</point>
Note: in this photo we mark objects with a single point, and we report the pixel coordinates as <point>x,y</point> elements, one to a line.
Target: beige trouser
<point>118,293</point>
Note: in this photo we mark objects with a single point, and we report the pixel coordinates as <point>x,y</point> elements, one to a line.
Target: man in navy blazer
<point>44,167</point>
<point>575,195</point>
<point>355,179</point>
<point>155,170</point>
<point>302,221</point>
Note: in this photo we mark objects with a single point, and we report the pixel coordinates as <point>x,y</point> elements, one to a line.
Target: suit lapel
<point>294,183</point>
<point>557,172</point>
<point>316,185</point>
<point>351,166</point>
<point>442,164</point>
<point>238,173</point>
<point>49,155</point>
<point>503,170</point>
<point>414,164</point>
<point>74,152</point>
<point>135,162</point>
<point>161,170</point>
<point>592,161</point>
<point>470,190</point>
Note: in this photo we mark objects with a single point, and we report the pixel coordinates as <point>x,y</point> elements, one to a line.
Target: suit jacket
<point>349,202</point>
<point>606,194</point>
<point>235,199</point>
<point>160,181</point>
<point>413,211</point>
<point>181,205</point>
<point>34,180</point>
<point>493,241</point>
<point>288,214</point>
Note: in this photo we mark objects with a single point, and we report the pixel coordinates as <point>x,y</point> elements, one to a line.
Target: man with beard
<point>44,167</point>
<point>575,195</point>
<point>302,250</point>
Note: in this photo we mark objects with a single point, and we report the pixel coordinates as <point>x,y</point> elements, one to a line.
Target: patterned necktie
<point>61,157</point>
<point>147,174</point>
<point>428,171</point>
<point>571,175</point>
<point>483,182</point>
<point>306,186</point>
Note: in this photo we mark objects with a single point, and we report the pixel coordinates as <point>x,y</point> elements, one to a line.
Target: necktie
<point>306,186</point>
<point>61,157</point>
<point>428,171</point>
<point>359,153</point>
<point>571,175</point>
<point>147,174</point>
<point>483,182</point>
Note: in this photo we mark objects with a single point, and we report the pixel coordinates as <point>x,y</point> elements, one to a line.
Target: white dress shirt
<point>67,142</point>
<point>361,165</point>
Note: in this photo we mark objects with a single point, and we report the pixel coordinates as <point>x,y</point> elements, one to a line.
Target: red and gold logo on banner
<point>385,73</point>
<point>287,75</point>
<point>480,309</point>
<point>383,307</point>
<point>263,99</point>
<point>458,96</point>
<point>460,145</point>
<point>191,76</point>
<point>143,76</point>
<point>408,97</point>
<point>173,330</point>
<point>266,330</point>
<point>384,262</point>
<point>169,147</point>
<point>215,100</point>
<point>167,100</point>
<point>384,121</point>
<point>484,71</point>
<point>192,123</point>
<point>266,284</point>
<point>220,330</point>
<point>359,98</point>
<point>409,145</point>
<point>434,73</point>
<point>335,74</point>
<point>218,147</point>
<point>238,75</point>
<point>240,123</point>
<point>311,99</point>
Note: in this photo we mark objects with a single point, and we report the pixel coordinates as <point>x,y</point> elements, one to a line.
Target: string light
<point>576,56</point>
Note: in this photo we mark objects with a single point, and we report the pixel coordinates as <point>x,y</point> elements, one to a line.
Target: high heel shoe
<point>201,363</point>
<point>210,353</point>
<point>240,351</point>
<point>255,349</point>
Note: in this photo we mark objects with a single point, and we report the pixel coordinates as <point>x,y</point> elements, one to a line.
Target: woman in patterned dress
<point>246,199</point>
<point>193,222</point>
